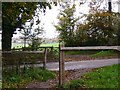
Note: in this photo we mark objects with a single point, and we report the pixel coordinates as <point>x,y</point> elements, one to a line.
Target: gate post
<point>61,65</point>
<point>45,59</point>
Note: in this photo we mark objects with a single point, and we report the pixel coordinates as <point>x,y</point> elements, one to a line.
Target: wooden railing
<point>22,54</point>
<point>49,48</point>
<point>91,48</point>
<point>61,58</point>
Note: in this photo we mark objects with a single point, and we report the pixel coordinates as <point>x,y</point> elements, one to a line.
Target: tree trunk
<point>6,40</point>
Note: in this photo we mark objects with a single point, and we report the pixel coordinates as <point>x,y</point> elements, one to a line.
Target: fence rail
<point>9,56</point>
<point>91,48</point>
<point>61,58</point>
<point>32,52</point>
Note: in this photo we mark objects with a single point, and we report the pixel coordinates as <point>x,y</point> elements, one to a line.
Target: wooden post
<point>45,59</point>
<point>52,54</point>
<point>61,66</point>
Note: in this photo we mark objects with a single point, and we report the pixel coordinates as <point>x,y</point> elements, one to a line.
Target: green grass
<point>81,52</point>
<point>50,45</point>
<point>94,53</point>
<point>13,80</point>
<point>17,45</point>
<point>105,53</point>
<point>106,77</point>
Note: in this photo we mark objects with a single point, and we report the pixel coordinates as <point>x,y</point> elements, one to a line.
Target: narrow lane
<point>73,65</point>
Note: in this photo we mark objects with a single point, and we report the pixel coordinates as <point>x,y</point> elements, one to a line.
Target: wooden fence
<point>49,49</point>
<point>7,57</point>
<point>62,61</point>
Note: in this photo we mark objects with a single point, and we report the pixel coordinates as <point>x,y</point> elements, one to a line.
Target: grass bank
<point>12,79</point>
<point>94,53</point>
<point>106,77</point>
<point>105,53</point>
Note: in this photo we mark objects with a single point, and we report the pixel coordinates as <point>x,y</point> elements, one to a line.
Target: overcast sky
<point>50,18</point>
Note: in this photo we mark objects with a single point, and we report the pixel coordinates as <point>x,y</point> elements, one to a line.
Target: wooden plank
<point>34,52</point>
<point>91,48</point>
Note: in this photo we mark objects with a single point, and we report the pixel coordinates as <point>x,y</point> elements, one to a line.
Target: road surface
<point>73,65</point>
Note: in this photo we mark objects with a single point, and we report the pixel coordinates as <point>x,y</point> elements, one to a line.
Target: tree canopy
<point>100,26</point>
<point>66,25</point>
<point>14,14</point>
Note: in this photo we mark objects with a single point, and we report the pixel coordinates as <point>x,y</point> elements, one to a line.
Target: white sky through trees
<point>50,17</point>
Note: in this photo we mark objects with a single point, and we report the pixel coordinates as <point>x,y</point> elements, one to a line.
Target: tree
<point>14,14</point>
<point>66,25</point>
<point>98,30</point>
<point>35,43</point>
<point>31,35</point>
<point>34,39</point>
<point>31,30</point>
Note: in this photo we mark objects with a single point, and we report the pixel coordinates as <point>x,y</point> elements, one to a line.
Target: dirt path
<point>69,75</point>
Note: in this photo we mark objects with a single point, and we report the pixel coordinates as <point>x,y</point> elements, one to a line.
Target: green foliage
<point>35,43</point>
<point>99,29</point>
<point>66,25</point>
<point>30,34</point>
<point>13,80</point>
<point>14,15</point>
<point>106,77</point>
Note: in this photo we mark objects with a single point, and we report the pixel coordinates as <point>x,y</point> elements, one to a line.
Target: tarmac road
<point>73,65</point>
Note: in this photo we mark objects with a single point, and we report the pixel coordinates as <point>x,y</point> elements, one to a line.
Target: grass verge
<point>82,52</point>
<point>94,53</point>
<point>105,53</point>
<point>106,77</point>
<point>13,80</point>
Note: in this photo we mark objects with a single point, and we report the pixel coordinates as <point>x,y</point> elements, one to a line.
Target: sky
<point>50,18</point>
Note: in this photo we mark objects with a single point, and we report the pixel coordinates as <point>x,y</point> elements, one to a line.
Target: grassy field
<point>17,45</point>
<point>50,45</point>
<point>106,77</point>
